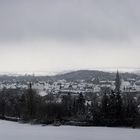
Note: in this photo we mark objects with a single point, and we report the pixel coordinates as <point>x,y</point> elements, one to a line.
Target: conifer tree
<point>118,98</point>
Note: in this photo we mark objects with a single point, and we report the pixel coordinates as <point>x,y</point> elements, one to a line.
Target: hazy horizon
<point>51,73</point>
<point>54,36</point>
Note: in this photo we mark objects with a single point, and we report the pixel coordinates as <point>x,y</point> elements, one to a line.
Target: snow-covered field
<point>16,131</point>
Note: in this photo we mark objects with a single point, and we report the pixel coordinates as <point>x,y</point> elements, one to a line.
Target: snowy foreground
<point>16,131</point>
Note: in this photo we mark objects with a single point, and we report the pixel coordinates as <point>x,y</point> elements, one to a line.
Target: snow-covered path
<point>16,131</point>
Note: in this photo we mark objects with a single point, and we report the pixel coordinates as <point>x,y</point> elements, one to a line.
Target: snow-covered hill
<point>16,131</point>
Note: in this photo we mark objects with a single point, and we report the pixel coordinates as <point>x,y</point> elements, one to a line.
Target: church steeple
<point>117,82</point>
<point>30,85</point>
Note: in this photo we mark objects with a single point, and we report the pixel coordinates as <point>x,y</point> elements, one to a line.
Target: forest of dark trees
<point>109,108</point>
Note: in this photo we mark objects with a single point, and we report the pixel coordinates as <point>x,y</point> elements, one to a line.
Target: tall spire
<point>30,85</point>
<point>117,82</point>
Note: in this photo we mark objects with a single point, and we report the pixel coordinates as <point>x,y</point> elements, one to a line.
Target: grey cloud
<point>69,19</point>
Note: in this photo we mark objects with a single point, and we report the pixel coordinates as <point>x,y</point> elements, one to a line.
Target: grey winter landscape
<point>69,70</point>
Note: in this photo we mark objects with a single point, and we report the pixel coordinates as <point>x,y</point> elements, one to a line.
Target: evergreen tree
<point>96,112</point>
<point>67,103</point>
<point>115,104</point>
<point>105,103</point>
<point>81,104</point>
<point>74,107</point>
<point>2,104</point>
<point>117,83</point>
<point>118,107</point>
<point>130,109</point>
<point>29,103</point>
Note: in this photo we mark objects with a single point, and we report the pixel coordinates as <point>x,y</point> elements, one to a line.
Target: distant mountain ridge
<point>89,74</point>
<point>72,76</point>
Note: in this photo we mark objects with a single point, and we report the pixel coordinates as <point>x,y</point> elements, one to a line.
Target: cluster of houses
<point>64,87</point>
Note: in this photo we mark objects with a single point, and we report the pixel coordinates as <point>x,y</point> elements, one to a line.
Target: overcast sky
<point>57,35</point>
